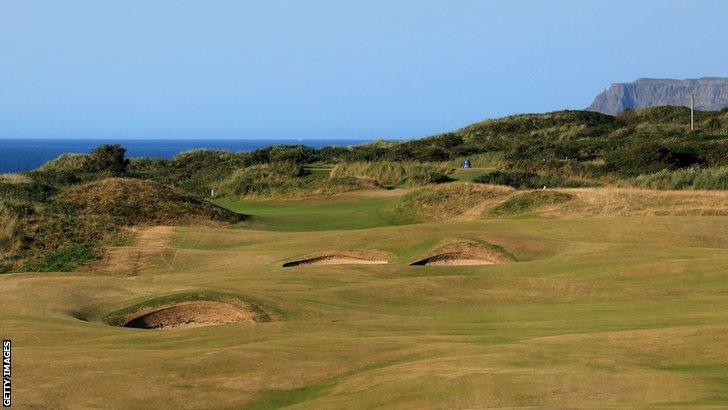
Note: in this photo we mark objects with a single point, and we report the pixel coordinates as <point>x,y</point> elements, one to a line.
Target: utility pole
<point>692,112</point>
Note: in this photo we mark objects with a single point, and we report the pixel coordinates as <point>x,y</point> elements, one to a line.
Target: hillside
<point>711,94</point>
<point>141,202</point>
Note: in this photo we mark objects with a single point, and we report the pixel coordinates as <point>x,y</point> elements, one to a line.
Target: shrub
<point>528,180</point>
<point>25,191</point>
<point>649,157</point>
<point>65,259</point>
<point>691,178</point>
<point>109,158</point>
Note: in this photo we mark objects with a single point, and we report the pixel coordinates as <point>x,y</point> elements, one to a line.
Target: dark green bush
<point>528,180</point>
<point>649,157</point>
<point>66,259</point>
<point>108,158</point>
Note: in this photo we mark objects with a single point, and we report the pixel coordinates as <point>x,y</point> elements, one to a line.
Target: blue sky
<point>330,69</point>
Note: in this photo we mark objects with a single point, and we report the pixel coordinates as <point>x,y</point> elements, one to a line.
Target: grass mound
<point>141,202</point>
<point>441,202</point>
<point>464,252</point>
<point>393,173</point>
<point>529,202</point>
<point>66,162</point>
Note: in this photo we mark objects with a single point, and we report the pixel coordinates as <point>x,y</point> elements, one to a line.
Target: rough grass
<point>589,202</point>
<point>66,162</point>
<point>140,202</point>
<point>14,178</point>
<point>393,173</point>
<point>690,178</point>
<point>527,202</point>
<point>283,181</point>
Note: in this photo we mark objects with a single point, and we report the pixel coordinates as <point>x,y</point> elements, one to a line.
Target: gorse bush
<point>528,180</point>
<point>66,259</point>
<point>108,158</point>
<point>649,157</point>
<point>394,173</point>
<point>26,191</point>
<point>691,178</point>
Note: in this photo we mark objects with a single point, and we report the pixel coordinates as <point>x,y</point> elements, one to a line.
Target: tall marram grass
<point>8,226</point>
<point>394,173</point>
<point>690,178</point>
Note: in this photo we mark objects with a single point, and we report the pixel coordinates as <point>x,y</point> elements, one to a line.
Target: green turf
<point>468,174</point>
<point>311,215</point>
<point>609,311</point>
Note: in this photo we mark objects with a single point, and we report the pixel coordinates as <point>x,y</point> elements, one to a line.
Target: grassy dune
<point>613,297</point>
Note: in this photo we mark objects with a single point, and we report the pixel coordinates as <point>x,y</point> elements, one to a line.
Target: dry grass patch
<point>151,249</point>
<point>641,202</point>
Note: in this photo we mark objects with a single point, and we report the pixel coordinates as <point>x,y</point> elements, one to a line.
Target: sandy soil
<point>190,314</point>
<point>342,258</point>
<point>462,252</point>
<point>148,249</point>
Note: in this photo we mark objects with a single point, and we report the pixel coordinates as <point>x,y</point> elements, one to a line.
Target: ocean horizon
<point>27,154</point>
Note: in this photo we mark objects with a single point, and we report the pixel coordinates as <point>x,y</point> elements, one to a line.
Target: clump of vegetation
<point>690,178</point>
<point>440,202</point>
<point>649,157</point>
<point>529,202</point>
<point>287,180</point>
<point>394,173</point>
<point>528,180</point>
<point>195,172</point>
<point>47,236</point>
<point>108,159</point>
<point>66,162</point>
<point>142,202</point>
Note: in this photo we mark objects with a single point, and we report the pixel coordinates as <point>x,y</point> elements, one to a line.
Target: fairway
<point>611,310</point>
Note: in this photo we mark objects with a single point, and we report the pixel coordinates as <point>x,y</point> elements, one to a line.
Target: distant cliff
<point>711,94</point>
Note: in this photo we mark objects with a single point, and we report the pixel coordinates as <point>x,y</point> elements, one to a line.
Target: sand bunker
<point>454,259</point>
<point>463,253</point>
<point>190,314</point>
<point>342,258</point>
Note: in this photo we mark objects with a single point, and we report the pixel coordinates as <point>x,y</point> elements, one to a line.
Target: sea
<point>18,155</point>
